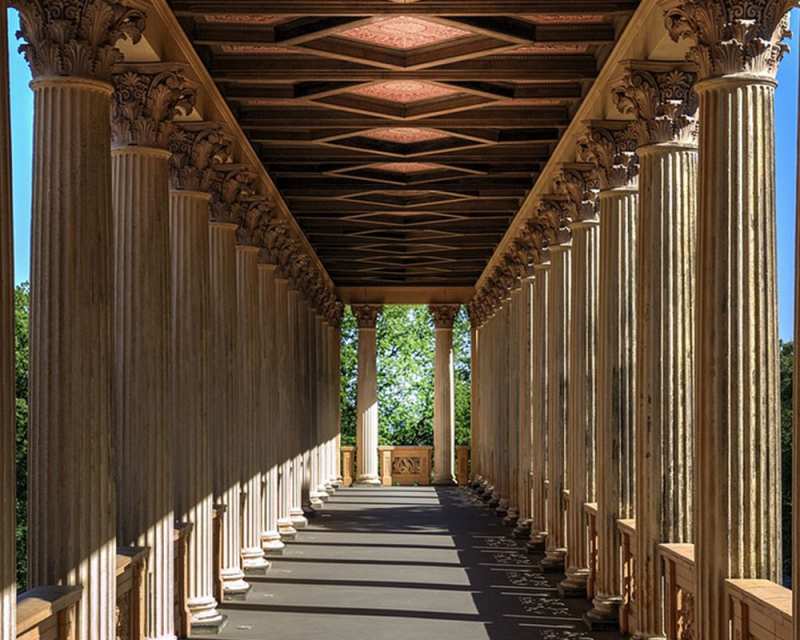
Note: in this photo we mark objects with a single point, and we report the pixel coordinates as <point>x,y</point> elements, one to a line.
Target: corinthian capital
<point>147,97</point>
<point>231,191</point>
<point>444,315</point>
<point>76,37</point>
<point>578,183</point>
<point>367,315</point>
<point>257,215</point>
<point>199,151</point>
<point>662,100</point>
<point>552,221</point>
<point>609,147</point>
<point>731,36</point>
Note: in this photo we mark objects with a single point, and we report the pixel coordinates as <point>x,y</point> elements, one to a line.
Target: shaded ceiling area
<point>404,135</point>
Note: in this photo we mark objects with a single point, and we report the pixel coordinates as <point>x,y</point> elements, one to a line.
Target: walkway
<point>405,562</point>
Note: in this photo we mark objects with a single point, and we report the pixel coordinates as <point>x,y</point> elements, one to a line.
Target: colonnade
<point>651,267</point>
<point>184,348</point>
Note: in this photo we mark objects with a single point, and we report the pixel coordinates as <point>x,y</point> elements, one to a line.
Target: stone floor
<point>401,562</point>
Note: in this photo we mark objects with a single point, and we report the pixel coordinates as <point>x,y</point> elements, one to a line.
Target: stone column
<point>270,404</point>
<point>295,323</point>
<point>558,340</point>
<point>539,389</point>
<point>248,351</point>
<point>738,462</point>
<point>523,342</point>
<point>661,98</point>
<point>511,393</point>
<point>367,408</point>
<point>225,426</point>
<point>609,148</point>
<point>192,175</point>
<point>146,99</point>
<point>474,422</point>
<point>71,343</point>
<point>443,395</point>
<point>796,426</point>
<point>8,630</point>
<point>285,526</point>
<point>575,182</point>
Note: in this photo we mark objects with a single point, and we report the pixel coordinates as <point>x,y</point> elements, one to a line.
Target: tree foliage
<point>22,349</point>
<point>787,371</point>
<point>405,359</point>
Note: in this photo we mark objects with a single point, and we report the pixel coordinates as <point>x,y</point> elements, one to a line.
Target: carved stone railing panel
<point>627,612</point>
<point>385,465</point>
<point>218,540</point>
<point>48,613</point>
<point>348,465</point>
<point>181,541</point>
<point>462,465</point>
<point>759,610</point>
<point>131,608</point>
<point>411,466</point>
<point>677,564</point>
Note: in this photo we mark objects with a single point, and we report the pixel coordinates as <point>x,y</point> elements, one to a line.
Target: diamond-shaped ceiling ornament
<point>403,33</point>
<point>404,91</point>
<point>405,135</point>
<point>407,167</point>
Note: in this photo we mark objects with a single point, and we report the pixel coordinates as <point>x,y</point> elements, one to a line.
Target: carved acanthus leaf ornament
<point>731,36</point>
<point>579,184</point>
<point>199,152</point>
<point>663,103</point>
<point>552,221</point>
<point>146,100</point>
<point>76,37</point>
<point>611,150</point>
<point>444,315</point>
<point>257,217</point>
<point>232,193</point>
<point>367,315</point>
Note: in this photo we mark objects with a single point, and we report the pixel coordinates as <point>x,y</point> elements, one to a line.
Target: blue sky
<point>786,120</point>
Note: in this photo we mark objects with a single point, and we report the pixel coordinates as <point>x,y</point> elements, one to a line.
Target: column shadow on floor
<point>389,563</point>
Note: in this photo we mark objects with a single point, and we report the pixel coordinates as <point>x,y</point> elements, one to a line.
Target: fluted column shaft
<point>540,385</point>
<point>665,366</point>
<point>269,406</point>
<point>296,324</point>
<point>738,483</point>
<point>558,339</point>
<point>474,418</point>
<point>189,240</point>
<point>337,350</point>
<point>8,629</point>
<point>284,385</point>
<point>247,376</point>
<point>616,395</point>
<point>512,399</point>
<point>581,398</point>
<point>367,407</point>
<point>523,343</point>
<point>444,408</point>
<point>225,425</point>
<point>145,517</point>
<point>71,349</point>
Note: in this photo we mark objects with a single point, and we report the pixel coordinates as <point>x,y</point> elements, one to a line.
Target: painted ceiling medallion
<point>407,167</point>
<point>404,91</point>
<point>404,135</point>
<point>404,33</point>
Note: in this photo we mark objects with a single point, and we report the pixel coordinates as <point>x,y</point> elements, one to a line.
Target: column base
<point>316,501</point>
<point>501,508</point>
<point>444,481</point>
<point>271,543</point>
<point>574,585</point>
<point>369,480</point>
<point>512,515</point>
<point>493,500</point>
<point>553,562</point>
<point>604,615</point>
<point>522,530</point>
<point>322,492</point>
<point>330,488</point>
<point>298,518</point>
<point>253,562</point>
<point>204,616</point>
<point>537,543</point>
<point>286,529</point>
<point>234,586</point>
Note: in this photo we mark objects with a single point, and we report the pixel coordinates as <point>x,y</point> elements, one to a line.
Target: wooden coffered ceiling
<point>403,134</point>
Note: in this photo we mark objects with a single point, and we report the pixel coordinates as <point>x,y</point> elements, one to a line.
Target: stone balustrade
<point>760,609</point>
<point>627,612</point>
<point>590,509</point>
<point>677,562</point>
<point>404,465</point>
<point>48,613</point>
<point>181,607</point>
<point>131,605</point>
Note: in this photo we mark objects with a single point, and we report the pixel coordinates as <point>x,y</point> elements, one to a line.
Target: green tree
<point>21,318</point>
<point>349,384</point>
<point>787,371</point>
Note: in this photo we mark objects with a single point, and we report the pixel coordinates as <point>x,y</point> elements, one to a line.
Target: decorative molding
<point>608,146</point>
<point>76,37</point>
<point>444,315</point>
<point>367,315</point>
<point>731,36</point>
<point>662,99</point>
<point>146,99</point>
<point>199,152</point>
